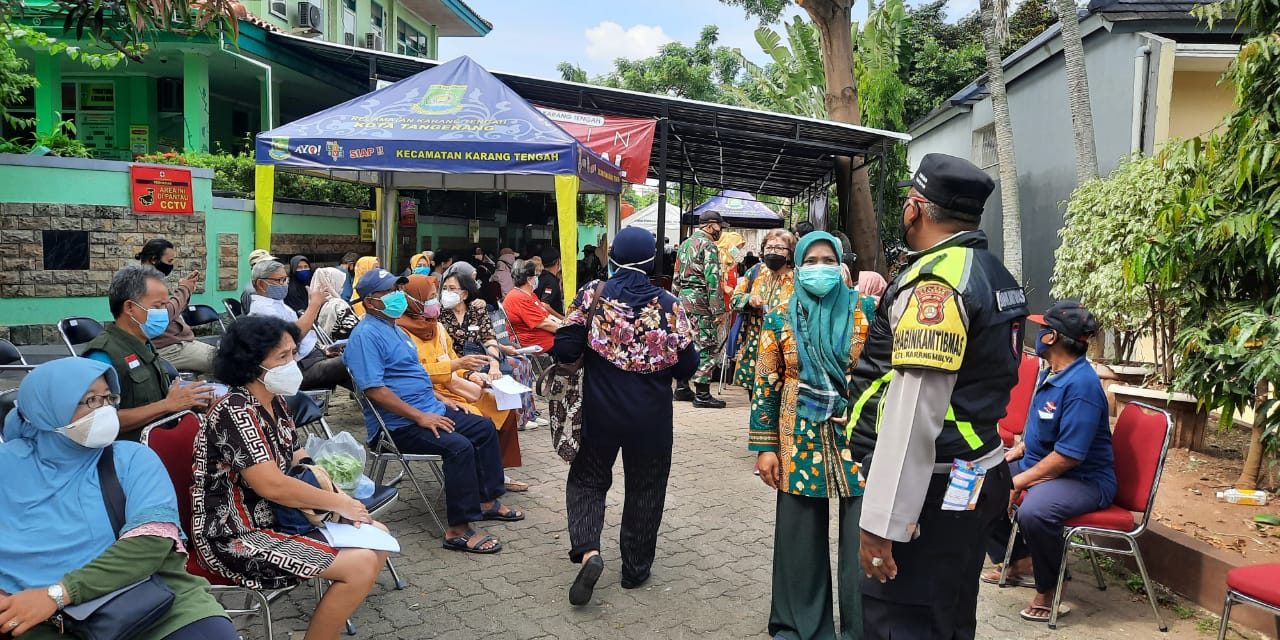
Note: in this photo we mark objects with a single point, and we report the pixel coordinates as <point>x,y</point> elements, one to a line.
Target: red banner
<point>626,142</point>
<point>155,189</point>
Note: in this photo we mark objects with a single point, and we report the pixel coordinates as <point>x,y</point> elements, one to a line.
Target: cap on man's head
<point>258,255</point>
<point>350,256</point>
<point>952,183</point>
<point>1069,318</point>
<point>707,217</point>
<point>378,280</point>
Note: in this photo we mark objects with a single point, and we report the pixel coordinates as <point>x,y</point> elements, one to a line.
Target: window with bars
<point>349,22</point>
<point>409,41</point>
<point>984,147</point>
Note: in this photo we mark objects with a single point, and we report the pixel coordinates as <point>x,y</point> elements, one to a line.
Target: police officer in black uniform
<point>934,377</point>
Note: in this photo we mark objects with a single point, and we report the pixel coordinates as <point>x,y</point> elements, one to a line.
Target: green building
<point>199,95</point>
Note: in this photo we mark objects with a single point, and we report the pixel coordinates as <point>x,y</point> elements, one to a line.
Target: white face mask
<point>284,380</point>
<point>449,299</point>
<point>94,431</point>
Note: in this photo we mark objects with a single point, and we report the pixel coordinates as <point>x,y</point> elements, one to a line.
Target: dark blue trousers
<point>472,462</point>
<point>1044,509</point>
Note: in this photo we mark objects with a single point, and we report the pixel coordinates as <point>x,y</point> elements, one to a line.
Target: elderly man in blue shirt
<point>385,367</point>
<point>1065,462</point>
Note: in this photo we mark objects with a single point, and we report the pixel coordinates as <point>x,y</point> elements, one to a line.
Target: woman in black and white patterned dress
<point>242,456</point>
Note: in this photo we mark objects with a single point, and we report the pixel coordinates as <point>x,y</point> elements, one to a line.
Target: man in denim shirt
<point>1065,462</point>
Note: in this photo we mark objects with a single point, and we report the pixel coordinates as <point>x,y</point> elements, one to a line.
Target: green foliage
<point>592,209</point>
<point>767,11</point>
<point>59,142</point>
<point>1108,220</point>
<point>235,173</point>
<point>637,199</point>
<point>1029,20</point>
<point>14,83</point>
<point>882,96</point>
<point>1217,241</point>
<point>794,82</point>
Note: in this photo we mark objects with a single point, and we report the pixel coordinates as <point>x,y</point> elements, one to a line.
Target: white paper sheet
<point>508,393</point>
<point>366,536</point>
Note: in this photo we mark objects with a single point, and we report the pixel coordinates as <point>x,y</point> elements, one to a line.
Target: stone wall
<point>324,251</point>
<point>228,261</point>
<point>115,235</point>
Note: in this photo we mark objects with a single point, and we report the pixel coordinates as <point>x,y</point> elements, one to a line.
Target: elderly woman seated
<point>58,544</point>
<point>243,454</point>
<point>459,382</point>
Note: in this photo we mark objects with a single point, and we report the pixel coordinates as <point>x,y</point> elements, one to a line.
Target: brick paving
<point>711,578</point>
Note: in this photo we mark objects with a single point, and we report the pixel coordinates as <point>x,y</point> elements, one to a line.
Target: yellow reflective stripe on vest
<point>856,413</point>
<point>966,430</point>
<point>951,265</point>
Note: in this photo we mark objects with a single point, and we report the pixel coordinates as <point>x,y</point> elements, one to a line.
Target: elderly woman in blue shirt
<point>57,543</point>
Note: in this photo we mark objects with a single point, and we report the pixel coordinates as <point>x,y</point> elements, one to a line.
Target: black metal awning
<point>711,145</point>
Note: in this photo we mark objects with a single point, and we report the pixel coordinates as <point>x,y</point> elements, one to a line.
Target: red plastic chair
<point>1141,442</point>
<point>173,439</point>
<point>1258,585</point>
<point>1015,413</point>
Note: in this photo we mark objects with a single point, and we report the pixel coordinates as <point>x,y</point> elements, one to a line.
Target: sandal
<point>512,515</point>
<point>515,486</point>
<point>992,576</point>
<point>1035,613</point>
<point>459,543</point>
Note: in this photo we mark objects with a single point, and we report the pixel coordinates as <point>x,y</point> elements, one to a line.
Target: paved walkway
<point>711,579</point>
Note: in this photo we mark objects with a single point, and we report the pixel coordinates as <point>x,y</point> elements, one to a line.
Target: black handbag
<point>126,612</point>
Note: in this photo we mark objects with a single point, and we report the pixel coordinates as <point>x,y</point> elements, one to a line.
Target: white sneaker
<point>540,422</point>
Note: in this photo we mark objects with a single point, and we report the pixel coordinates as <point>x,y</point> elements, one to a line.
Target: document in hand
<point>507,392</point>
<point>367,536</point>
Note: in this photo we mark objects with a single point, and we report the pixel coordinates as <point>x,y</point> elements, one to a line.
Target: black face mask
<point>164,268</point>
<point>774,261</point>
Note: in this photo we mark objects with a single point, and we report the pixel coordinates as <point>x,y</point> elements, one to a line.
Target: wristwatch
<point>58,595</point>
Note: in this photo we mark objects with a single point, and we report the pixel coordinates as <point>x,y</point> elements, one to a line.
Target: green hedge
<point>236,173</point>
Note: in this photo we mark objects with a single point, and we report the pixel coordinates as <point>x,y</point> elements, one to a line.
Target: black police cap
<point>952,183</point>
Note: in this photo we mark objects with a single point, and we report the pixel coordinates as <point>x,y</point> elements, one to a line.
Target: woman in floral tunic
<point>801,400</point>
<point>766,287</point>
<point>243,452</point>
<point>634,342</point>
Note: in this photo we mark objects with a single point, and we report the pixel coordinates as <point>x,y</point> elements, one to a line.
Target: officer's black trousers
<point>801,607</point>
<point>935,595</point>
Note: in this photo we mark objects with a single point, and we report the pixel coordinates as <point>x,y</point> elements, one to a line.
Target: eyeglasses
<point>781,248</point>
<point>97,402</point>
<point>453,288</point>
<point>280,280</point>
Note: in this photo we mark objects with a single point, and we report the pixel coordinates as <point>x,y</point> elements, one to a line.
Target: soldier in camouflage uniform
<point>698,283</point>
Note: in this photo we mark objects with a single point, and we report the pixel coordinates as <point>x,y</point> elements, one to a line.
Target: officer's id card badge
<point>963,486</point>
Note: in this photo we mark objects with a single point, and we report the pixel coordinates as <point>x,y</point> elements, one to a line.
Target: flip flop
<point>516,486</point>
<point>1010,581</point>
<point>459,543</point>
<point>512,515</point>
<point>1041,614</point>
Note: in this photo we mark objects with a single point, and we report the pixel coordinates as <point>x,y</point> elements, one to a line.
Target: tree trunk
<point>834,23</point>
<point>1078,92</point>
<point>1004,140</point>
<point>1252,469</point>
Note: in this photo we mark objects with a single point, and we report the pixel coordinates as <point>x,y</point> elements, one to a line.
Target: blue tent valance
<point>739,209</point>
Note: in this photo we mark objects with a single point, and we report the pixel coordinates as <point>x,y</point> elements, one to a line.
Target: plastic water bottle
<point>1251,497</point>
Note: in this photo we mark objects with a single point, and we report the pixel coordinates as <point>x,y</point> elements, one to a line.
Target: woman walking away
<point>59,545</point>
<point>801,401</point>
<point>632,344</point>
<point>767,287</point>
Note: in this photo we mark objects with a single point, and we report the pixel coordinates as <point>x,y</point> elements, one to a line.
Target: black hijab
<point>297,297</point>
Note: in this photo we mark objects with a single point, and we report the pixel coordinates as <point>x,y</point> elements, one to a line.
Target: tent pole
<point>661,228</point>
<point>613,214</point>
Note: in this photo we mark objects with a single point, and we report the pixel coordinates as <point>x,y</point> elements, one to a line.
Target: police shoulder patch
<point>931,333</point>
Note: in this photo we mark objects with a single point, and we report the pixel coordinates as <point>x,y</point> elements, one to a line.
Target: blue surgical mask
<point>422,271</point>
<point>394,304</point>
<point>157,322</point>
<point>819,279</point>
<point>1041,347</point>
<point>277,291</point>
<point>304,275</point>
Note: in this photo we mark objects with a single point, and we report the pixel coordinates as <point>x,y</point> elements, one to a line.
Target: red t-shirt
<point>524,312</point>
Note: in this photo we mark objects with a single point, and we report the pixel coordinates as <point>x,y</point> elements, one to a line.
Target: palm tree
<point>1078,92</point>
<point>994,31</point>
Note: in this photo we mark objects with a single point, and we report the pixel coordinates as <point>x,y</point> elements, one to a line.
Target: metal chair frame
<point>384,451</point>
<point>1233,597</point>
<point>10,355</point>
<point>227,303</point>
<point>62,331</point>
<point>1086,532</point>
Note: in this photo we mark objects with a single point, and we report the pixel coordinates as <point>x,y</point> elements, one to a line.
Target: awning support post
<point>658,266</point>
<point>384,238</point>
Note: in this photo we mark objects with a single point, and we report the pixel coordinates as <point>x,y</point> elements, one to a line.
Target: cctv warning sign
<point>161,190</point>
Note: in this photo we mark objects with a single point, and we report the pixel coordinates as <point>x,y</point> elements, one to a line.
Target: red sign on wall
<point>161,190</point>
<point>626,142</point>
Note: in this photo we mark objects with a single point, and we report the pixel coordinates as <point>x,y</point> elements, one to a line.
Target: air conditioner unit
<point>280,9</point>
<point>310,18</point>
<point>373,41</point>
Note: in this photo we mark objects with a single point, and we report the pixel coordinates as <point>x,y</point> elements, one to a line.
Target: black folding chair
<point>78,330</point>
<point>233,307</point>
<point>199,315</point>
<point>9,354</point>
<point>8,400</point>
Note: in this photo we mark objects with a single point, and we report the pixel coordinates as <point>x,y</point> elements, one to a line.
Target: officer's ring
<point>877,562</point>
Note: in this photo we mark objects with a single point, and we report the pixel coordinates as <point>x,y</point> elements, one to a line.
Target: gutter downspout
<point>266,71</point>
<point>1141,69</point>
